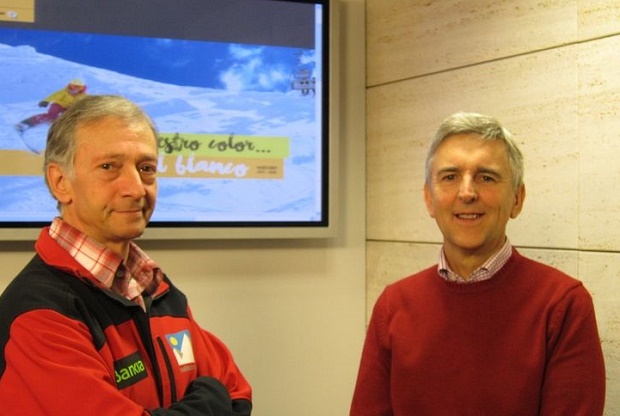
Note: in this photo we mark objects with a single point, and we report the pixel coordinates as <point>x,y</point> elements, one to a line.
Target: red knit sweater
<point>522,343</point>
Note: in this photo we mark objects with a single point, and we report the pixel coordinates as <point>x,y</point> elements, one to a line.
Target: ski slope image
<point>240,144</point>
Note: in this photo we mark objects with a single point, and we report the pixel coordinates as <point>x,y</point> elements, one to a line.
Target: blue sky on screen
<point>180,62</point>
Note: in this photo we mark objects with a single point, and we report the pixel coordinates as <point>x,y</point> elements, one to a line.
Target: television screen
<point>238,89</point>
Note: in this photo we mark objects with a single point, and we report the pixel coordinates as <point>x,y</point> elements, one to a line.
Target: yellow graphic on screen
<point>17,11</point>
<point>221,156</point>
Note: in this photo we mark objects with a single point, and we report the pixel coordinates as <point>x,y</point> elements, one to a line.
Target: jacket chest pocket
<point>177,361</point>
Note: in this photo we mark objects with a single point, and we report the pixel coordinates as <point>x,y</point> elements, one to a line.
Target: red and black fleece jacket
<point>67,346</point>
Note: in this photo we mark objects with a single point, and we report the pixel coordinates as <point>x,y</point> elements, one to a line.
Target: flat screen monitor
<point>240,91</point>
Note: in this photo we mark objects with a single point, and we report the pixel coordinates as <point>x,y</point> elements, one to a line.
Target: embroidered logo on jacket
<point>181,344</point>
<point>129,370</point>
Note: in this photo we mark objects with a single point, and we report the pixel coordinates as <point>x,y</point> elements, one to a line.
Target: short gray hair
<point>488,128</point>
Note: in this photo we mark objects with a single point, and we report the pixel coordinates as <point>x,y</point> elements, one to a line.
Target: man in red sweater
<point>486,331</point>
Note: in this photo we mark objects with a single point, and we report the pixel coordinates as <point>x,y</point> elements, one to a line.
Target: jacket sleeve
<point>57,97</point>
<point>206,396</point>
<point>574,382</point>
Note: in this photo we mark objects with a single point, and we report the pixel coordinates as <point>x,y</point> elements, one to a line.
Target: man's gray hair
<point>488,128</point>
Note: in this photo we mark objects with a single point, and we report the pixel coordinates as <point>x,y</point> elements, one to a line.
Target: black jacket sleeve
<point>206,396</point>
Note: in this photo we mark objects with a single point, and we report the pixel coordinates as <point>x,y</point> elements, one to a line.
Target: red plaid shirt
<point>127,278</point>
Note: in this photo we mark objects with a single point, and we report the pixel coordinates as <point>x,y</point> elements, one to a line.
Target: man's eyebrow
<point>447,169</point>
<point>149,157</point>
<point>490,171</point>
<point>482,169</point>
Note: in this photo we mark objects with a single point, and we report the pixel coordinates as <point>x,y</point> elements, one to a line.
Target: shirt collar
<point>486,271</point>
<point>107,267</point>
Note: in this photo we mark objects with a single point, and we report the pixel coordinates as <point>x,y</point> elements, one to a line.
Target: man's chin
<point>134,230</point>
<point>131,226</point>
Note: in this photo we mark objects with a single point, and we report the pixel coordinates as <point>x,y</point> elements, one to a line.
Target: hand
<point>43,103</point>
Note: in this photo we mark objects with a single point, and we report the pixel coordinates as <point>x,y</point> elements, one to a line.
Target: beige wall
<point>291,311</point>
<point>549,70</point>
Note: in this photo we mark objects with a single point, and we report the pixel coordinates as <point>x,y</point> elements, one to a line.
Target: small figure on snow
<point>56,104</point>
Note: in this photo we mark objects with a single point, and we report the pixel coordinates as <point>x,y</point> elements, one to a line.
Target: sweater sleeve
<point>574,381</point>
<point>372,391</point>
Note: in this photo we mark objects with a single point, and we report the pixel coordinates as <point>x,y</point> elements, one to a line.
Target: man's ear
<point>59,183</point>
<point>519,198</point>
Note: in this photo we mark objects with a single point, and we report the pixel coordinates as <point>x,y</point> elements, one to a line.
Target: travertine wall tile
<point>600,275</point>
<point>599,145</point>
<point>533,95</point>
<point>598,18</point>
<point>408,38</point>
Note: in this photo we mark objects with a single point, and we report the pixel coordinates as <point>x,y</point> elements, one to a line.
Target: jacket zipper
<point>173,384</point>
<point>144,329</point>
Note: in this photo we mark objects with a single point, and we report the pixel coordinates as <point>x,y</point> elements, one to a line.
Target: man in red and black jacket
<point>92,325</point>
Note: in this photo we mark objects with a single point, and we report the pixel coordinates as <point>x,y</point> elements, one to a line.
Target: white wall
<point>293,312</point>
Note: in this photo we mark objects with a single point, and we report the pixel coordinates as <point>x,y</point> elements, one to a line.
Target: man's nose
<point>467,189</point>
<point>132,183</point>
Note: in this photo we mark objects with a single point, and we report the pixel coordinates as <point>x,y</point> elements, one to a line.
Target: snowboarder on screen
<point>56,104</point>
